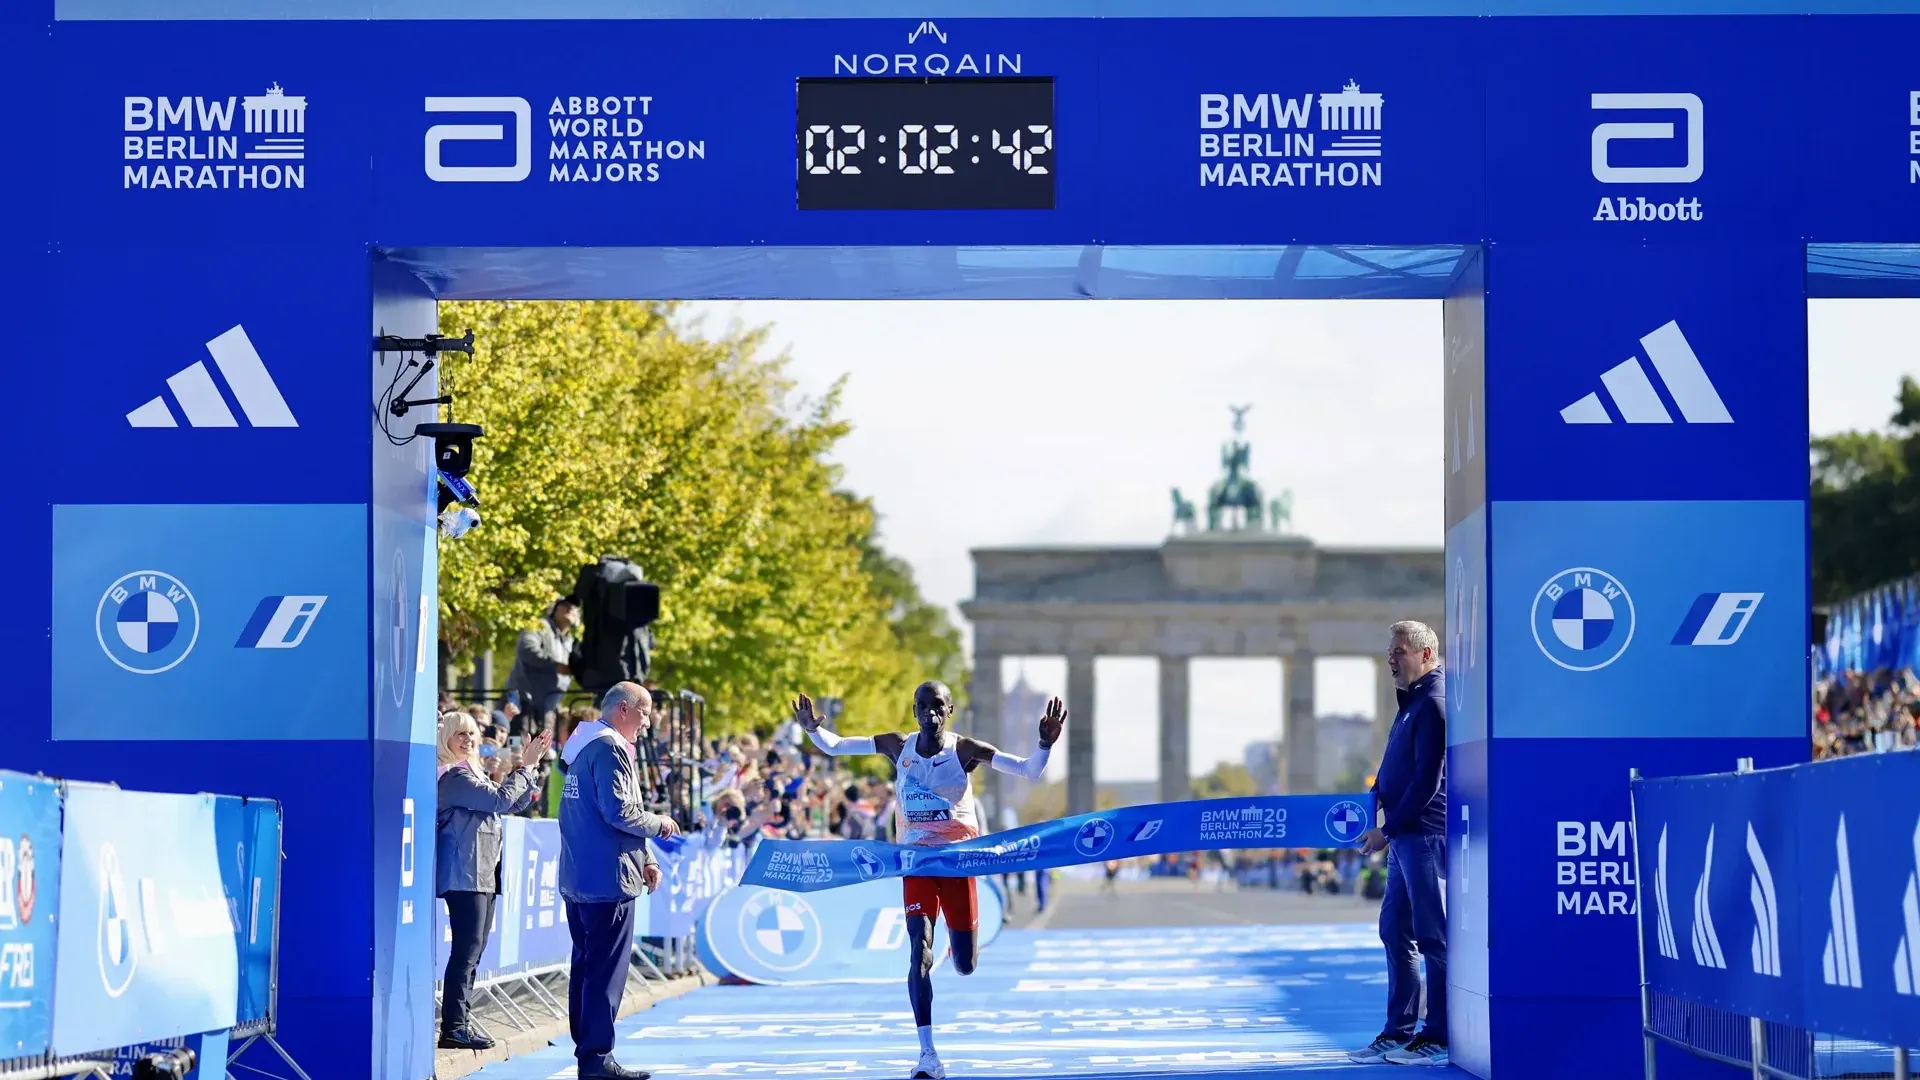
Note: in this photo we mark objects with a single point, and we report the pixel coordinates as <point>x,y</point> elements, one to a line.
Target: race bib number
<point>921,805</point>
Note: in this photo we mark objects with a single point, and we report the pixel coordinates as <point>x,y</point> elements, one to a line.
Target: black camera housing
<point>452,445</point>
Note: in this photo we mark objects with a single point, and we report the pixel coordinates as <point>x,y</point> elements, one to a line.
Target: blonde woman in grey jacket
<point>467,860</point>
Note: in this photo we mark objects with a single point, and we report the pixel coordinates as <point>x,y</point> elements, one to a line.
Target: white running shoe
<point>1421,1051</point>
<point>1377,1049</point>
<point>929,1067</point>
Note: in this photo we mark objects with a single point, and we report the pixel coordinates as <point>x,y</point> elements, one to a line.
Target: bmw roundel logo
<point>1346,820</point>
<point>1583,619</point>
<point>1093,837</point>
<point>147,622</point>
<point>780,930</point>
<point>115,935</point>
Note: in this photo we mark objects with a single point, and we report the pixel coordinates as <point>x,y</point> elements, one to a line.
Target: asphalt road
<point>1086,905</point>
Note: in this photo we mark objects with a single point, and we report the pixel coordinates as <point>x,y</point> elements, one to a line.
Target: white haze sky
<point>980,423</point>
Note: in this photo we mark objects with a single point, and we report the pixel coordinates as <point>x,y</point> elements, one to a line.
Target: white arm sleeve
<point>1026,768</point>
<point>839,747</point>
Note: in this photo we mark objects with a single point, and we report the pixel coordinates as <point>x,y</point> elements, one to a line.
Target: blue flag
<point>1270,821</point>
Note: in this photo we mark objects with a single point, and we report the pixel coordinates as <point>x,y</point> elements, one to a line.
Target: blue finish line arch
<point>1615,202</point>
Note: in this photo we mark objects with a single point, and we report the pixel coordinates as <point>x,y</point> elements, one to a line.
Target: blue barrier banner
<point>209,1053</point>
<point>542,920</point>
<point>29,897</point>
<point>694,869</point>
<point>149,950</point>
<point>1788,894</point>
<point>773,937</point>
<point>1271,821</point>
<point>247,837</point>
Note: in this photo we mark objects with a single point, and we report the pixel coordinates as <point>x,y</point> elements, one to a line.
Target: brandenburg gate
<point>1241,586</point>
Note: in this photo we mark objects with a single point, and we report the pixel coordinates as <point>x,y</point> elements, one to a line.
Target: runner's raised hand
<point>1052,721</point>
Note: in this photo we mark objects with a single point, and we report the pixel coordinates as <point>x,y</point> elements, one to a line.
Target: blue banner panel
<point>190,609</point>
<point>1270,821</point>
<point>150,951</point>
<point>29,897</point>
<point>247,837</point>
<point>1559,861</point>
<point>542,938</point>
<point>775,937</point>
<point>1857,888</point>
<point>1718,858</point>
<point>236,393</point>
<point>1647,372</point>
<point>1650,619</point>
<point>694,869</point>
<point>1467,649</point>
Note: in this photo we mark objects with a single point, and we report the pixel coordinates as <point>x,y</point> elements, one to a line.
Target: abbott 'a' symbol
<point>1669,948</point>
<point>1706,942</point>
<point>1636,399</point>
<point>1906,958</point>
<point>1840,960</point>
<point>1766,910</point>
<point>199,399</point>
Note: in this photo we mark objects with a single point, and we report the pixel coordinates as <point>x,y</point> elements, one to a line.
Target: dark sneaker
<point>464,1040</point>
<point>1377,1049</point>
<point>1421,1051</point>
<point>613,1070</point>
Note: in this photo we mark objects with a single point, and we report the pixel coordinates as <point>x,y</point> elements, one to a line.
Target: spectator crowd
<point>1859,712</point>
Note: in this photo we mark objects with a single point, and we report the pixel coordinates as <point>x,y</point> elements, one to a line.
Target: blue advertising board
<point>247,838</point>
<point>29,897</point>
<point>182,608</point>
<point>1788,894</point>
<point>777,937</point>
<point>158,958</point>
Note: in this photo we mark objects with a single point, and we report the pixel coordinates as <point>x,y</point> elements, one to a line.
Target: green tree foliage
<point>1227,781</point>
<point>1865,503</point>
<point>610,433</point>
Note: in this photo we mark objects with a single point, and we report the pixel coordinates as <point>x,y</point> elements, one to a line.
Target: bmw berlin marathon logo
<point>1346,821</point>
<point>780,930</point>
<point>147,622</point>
<point>1583,619</point>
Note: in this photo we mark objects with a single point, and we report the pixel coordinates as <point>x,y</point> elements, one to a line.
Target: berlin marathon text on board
<point>1593,873</point>
<point>191,142</point>
<point>1277,140</point>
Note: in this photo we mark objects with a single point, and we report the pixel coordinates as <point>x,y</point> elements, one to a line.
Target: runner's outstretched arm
<point>1051,723</point>
<point>835,745</point>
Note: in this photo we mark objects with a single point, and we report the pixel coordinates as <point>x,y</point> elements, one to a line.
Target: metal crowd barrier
<point>1784,916</point>
<point>81,868</point>
<point>520,980</point>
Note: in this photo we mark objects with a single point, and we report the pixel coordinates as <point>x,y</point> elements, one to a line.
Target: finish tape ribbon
<point>1270,821</point>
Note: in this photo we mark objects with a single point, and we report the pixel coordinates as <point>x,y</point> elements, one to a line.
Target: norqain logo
<point>926,53</point>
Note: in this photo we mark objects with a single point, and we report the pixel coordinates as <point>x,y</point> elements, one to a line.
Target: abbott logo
<point>1766,911</point>
<point>194,389</point>
<point>1605,135</point>
<point>1840,960</point>
<point>1706,942</point>
<point>440,134</point>
<point>1633,393</point>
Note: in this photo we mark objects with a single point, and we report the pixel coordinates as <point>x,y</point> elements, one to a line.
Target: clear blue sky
<point>985,423</point>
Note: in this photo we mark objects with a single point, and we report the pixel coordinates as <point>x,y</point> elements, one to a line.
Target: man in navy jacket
<point>1411,790</point>
<point>604,866</point>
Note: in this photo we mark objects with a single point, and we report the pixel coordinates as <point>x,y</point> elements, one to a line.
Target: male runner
<point>936,805</point>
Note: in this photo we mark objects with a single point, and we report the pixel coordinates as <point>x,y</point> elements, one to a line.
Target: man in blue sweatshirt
<point>604,865</point>
<point>1411,790</point>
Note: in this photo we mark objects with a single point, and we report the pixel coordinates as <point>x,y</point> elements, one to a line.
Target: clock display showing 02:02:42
<point>925,144</point>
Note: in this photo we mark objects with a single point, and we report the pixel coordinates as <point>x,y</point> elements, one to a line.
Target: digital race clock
<point>925,144</point>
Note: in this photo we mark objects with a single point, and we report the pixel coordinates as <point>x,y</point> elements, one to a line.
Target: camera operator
<point>540,675</point>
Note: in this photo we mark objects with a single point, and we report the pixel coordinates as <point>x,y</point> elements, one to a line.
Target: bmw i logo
<point>867,863</point>
<point>1583,619</point>
<point>780,930</point>
<point>1093,837</point>
<point>147,622</point>
<point>1346,821</point>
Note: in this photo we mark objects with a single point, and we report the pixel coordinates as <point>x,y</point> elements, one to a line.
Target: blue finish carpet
<point>1244,1000</point>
